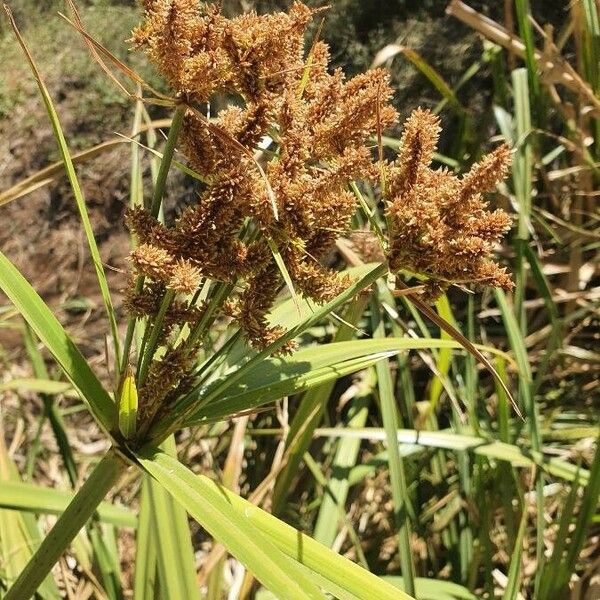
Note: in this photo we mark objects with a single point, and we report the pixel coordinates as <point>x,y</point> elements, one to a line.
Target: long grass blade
<point>145,585</point>
<point>516,561</point>
<point>58,342</point>
<point>403,509</point>
<point>277,377</point>
<point>81,508</point>
<point>231,518</point>
<point>345,458</point>
<point>77,191</point>
<point>42,500</point>
<point>19,533</point>
<point>460,442</point>
<point>206,503</point>
<point>175,553</point>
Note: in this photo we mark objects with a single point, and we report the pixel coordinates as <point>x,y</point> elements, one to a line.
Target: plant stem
<point>522,178</point>
<point>219,294</point>
<point>139,286</point>
<point>165,163</point>
<point>403,508</point>
<point>157,197</point>
<point>81,508</point>
<point>154,335</point>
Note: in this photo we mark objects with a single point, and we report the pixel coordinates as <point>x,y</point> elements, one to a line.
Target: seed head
<point>184,277</point>
<point>319,122</point>
<point>439,224</point>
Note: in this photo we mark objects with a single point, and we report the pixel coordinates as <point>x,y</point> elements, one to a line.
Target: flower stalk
<point>167,159</point>
<point>158,194</point>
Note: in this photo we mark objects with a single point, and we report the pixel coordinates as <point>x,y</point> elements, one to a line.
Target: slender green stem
<point>154,335</point>
<point>402,505</point>
<point>145,565</point>
<point>522,178</point>
<point>471,369</point>
<point>219,294</point>
<point>526,33</point>
<point>165,163</point>
<point>81,508</point>
<point>216,359</point>
<point>142,341</point>
<point>139,286</point>
<point>157,197</point>
<point>136,194</point>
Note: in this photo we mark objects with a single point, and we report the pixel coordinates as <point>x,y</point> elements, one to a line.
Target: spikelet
<point>152,262</point>
<point>184,277</point>
<point>418,142</point>
<point>164,377</point>
<point>439,224</point>
<point>485,174</point>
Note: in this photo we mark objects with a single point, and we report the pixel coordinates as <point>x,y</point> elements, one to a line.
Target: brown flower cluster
<point>439,224</point>
<point>199,51</point>
<point>291,193</point>
<point>276,165</point>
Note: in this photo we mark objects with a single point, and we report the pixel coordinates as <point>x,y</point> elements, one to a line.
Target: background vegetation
<point>517,516</point>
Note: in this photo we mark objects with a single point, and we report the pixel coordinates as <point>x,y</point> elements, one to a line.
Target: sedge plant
<point>277,166</point>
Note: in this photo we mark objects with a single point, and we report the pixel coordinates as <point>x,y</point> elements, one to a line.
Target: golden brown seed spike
<point>494,225</point>
<point>163,377</point>
<point>144,303</point>
<point>251,308</point>
<point>153,262</point>
<point>418,143</point>
<point>487,173</point>
<point>184,277</point>
<point>439,225</point>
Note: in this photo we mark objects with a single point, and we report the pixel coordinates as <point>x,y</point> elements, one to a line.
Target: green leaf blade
<point>205,501</point>
<point>208,502</point>
<point>58,342</point>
